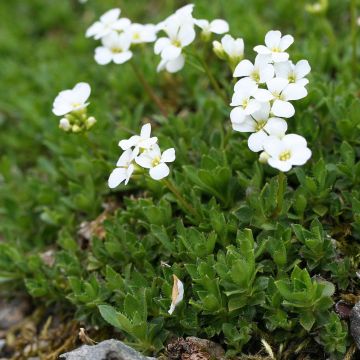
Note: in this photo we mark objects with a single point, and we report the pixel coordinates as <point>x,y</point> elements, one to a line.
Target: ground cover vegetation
<point>198,229</point>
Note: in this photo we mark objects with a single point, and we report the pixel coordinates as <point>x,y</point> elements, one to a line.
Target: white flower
<point>64,124</point>
<point>115,48</point>
<point>178,37</point>
<point>123,171</point>
<point>139,33</point>
<point>234,48</point>
<point>288,151</point>
<point>281,92</point>
<point>294,73</point>
<point>172,66</point>
<point>177,294</point>
<point>108,23</point>
<point>275,46</point>
<point>72,100</point>
<point>260,124</point>
<point>216,26</point>
<point>155,161</point>
<point>260,72</point>
<point>242,98</point>
<point>139,142</point>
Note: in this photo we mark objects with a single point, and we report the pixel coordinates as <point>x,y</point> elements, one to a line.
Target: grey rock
<point>355,324</point>
<point>106,350</point>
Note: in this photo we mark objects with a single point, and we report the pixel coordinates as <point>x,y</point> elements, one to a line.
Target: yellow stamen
<point>285,155</point>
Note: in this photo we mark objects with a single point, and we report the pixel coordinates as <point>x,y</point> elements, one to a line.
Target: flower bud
<point>219,50</point>
<point>76,128</point>
<point>264,157</point>
<point>90,122</point>
<point>64,124</point>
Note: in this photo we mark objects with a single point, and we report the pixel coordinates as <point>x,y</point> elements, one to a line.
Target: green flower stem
<point>280,194</point>
<point>354,30</point>
<point>213,81</point>
<point>169,184</point>
<point>149,89</point>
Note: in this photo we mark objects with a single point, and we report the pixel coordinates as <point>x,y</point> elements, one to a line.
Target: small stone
<point>355,324</point>
<point>107,350</point>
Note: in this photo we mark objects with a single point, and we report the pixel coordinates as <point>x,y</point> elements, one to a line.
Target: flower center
<point>278,95</point>
<point>276,49</point>
<point>292,77</point>
<point>260,124</point>
<point>255,76</point>
<point>245,103</point>
<point>155,161</point>
<point>285,155</point>
<point>116,50</point>
<point>176,43</point>
<point>136,36</point>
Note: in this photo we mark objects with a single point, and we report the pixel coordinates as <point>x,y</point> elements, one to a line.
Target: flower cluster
<point>72,104</point>
<point>179,29</point>
<point>117,36</point>
<point>262,101</point>
<point>141,151</point>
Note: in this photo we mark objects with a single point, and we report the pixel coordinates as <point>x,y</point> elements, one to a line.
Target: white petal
<point>126,144</point>
<point>277,85</point>
<point>144,160</point>
<point>159,172</point>
<point>121,24</point>
<point>261,49</point>
<point>145,131</point>
<point>273,146</point>
<point>237,115</point>
<point>82,92</point>
<point>171,52</point>
<point>283,69</point>
<point>173,66</point>
<point>273,38</point>
<point>294,140</point>
<point>110,16</point>
<point>252,106</point>
<point>302,82</point>
<point>294,92</point>
<point>276,127</point>
<point>256,141</point>
<point>299,156</point>
<point>244,68</point>
<point>186,35</point>
<point>280,56</point>
<point>266,73</point>
<point>125,158</point>
<point>202,23</point>
<point>263,95</point>
<point>280,165</point>
<point>285,42</point>
<point>103,55</point>
<point>61,110</point>
<point>117,176</point>
<point>263,113</point>
<point>94,29</point>
<point>283,109</point>
<point>122,57</point>
<point>161,44</point>
<point>302,68</point>
<point>219,26</point>
<point>248,125</point>
<point>129,172</point>
<point>168,155</point>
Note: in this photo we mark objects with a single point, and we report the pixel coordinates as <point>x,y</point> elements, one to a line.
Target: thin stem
<point>213,81</point>
<point>280,194</point>
<point>149,89</point>
<point>181,199</point>
<point>353,13</point>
